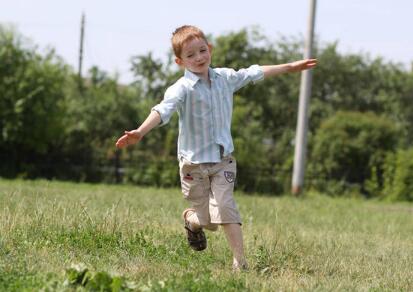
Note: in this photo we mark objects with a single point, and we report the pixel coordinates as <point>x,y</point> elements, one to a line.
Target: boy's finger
<point>131,134</point>
<point>122,142</point>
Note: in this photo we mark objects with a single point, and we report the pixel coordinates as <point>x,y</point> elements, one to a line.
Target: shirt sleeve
<point>240,78</point>
<point>173,99</point>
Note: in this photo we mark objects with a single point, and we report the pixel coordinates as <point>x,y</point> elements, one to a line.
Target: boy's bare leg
<point>233,233</point>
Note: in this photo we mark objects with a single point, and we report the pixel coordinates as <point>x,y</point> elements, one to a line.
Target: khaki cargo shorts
<point>209,188</point>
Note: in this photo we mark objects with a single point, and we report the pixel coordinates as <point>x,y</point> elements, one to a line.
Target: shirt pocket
<point>200,105</point>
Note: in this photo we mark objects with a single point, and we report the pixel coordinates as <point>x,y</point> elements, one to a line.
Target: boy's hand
<point>302,65</point>
<point>130,138</point>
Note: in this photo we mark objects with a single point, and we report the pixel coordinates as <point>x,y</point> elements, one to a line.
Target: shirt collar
<point>193,78</point>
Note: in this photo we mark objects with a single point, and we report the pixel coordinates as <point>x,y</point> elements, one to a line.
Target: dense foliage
<point>397,182</point>
<point>361,112</point>
<point>347,147</point>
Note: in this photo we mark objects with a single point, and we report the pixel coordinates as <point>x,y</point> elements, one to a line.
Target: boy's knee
<point>211,227</point>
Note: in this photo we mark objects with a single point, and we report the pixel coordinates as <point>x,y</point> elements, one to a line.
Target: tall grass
<point>311,243</point>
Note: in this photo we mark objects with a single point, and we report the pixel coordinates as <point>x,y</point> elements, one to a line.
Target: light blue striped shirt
<point>205,111</point>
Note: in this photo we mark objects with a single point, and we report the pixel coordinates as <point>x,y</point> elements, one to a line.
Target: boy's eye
<point>203,50</point>
<point>190,56</point>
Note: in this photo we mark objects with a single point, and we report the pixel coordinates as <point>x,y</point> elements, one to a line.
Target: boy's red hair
<point>183,34</point>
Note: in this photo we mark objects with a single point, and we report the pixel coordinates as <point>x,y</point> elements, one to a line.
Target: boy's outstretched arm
<point>134,136</point>
<point>273,70</point>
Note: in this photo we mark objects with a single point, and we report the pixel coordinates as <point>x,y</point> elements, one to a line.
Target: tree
<point>94,118</point>
<point>31,103</point>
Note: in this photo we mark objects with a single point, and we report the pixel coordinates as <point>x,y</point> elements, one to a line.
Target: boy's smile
<point>196,57</point>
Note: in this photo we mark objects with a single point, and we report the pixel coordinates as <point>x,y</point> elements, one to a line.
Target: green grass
<point>312,243</point>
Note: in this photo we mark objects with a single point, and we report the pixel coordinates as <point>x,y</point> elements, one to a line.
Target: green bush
<point>398,176</point>
<point>161,173</point>
<point>347,147</point>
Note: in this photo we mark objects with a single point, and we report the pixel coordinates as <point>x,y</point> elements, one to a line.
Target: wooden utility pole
<point>82,35</point>
<point>302,120</point>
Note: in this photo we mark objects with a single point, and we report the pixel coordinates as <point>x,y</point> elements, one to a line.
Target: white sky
<point>118,30</point>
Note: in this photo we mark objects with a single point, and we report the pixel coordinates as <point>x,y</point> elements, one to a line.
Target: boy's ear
<point>178,61</point>
<point>210,47</point>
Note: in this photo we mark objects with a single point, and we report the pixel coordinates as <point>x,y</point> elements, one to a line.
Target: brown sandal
<point>196,238</point>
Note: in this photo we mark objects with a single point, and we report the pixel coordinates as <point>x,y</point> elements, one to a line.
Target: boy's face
<point>196,56</point>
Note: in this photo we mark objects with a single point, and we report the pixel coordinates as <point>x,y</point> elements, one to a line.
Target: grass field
<point>312,243</point>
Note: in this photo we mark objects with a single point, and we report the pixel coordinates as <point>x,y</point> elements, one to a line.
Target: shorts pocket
<point>228,173</point>
<point>191,184</point>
